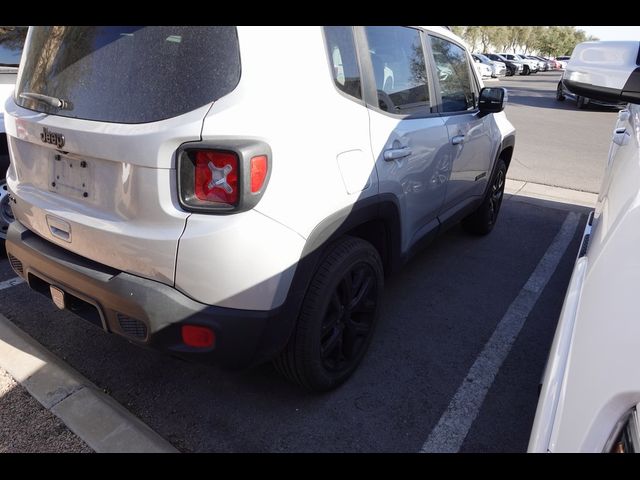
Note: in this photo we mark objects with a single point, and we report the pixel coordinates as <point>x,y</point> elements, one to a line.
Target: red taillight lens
<point>216,176</point>
<point>258,172</point>
<point>195,336</point>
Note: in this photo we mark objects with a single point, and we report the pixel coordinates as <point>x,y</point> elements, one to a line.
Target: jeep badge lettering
<point>51,137</point>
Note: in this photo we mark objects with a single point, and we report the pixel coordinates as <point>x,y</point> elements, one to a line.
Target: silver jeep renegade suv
<point>237,194</point>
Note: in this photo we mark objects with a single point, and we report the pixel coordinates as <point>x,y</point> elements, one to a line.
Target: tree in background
<point>550,41</point>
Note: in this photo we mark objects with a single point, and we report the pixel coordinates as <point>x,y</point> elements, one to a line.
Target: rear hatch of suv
<point>97,117</point>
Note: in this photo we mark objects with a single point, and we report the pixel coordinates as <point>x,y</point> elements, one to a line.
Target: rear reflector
<point>200,337</point>
<point>258,172</point>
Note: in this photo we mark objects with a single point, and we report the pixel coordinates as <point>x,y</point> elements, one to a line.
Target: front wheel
<point>482,221</point>
<point>6,216</point>
<point>581,102</point>
<point>337,318</point>
<point>559,93</point>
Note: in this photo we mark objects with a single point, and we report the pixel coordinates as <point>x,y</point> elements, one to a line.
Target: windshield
<point>11,43</point>
<point>483,58</point>
<point>127,74</point>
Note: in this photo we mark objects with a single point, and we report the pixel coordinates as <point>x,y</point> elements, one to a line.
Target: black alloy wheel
<point>349,318</point>
<point>337,319</point>
<point>482,221</point>
<point>6,215</point>
<point>495,198</point>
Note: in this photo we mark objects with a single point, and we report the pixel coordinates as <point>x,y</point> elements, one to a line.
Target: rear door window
<point>127,74</point>
<point>399,69</point>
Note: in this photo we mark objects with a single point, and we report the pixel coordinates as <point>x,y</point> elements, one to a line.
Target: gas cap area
<point>355,169</point>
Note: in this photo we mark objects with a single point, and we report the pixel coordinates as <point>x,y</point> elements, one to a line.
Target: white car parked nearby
<point>529,66</point>
<point>483,69</point>
<point>11,43</point>
<point>563,60</point>
<point>234,211</point>
<point>498,69</point>
<point>591,388</point>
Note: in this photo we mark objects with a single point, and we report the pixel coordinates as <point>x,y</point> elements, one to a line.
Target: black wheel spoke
<point>349,318</point>
<point>344,290</point>
<point>354,335</point>
<point>497,190</point>
<point>335,302</point>
<point>331,347</point>
<point>333,315</point>
<point>364,289</point>
<point>358,329</point>
<point>330,322</point>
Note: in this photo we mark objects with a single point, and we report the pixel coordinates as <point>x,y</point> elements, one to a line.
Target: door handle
<point>457,140</point>
<point>59,228</point>
<point>621,136</point>
<point>396,153</point>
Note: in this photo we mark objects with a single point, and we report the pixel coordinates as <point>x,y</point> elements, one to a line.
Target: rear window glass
<point>127,74</point>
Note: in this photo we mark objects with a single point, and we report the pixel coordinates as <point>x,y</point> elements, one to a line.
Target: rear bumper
<point>146,312</point>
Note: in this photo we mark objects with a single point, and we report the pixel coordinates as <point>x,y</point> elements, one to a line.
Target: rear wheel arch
<point>375,219</point>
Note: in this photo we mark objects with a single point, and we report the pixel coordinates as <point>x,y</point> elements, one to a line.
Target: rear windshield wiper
<point>49,100</point>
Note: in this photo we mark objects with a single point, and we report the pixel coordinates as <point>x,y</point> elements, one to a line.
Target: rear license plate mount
<point>71,177</point>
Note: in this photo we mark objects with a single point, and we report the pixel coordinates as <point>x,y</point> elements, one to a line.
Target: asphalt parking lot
<point>436,342</point>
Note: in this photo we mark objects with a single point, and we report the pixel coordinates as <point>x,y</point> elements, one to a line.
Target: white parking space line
<point>11,283</point>
<point>455,422</point>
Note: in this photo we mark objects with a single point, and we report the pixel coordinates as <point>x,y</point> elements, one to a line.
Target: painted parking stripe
<point>11,283</point>
<point>455,422</point>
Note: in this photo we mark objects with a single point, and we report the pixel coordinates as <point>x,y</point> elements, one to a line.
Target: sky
<point>613,33</point>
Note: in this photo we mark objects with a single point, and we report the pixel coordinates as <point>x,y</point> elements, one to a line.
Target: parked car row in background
<point>507,64</point>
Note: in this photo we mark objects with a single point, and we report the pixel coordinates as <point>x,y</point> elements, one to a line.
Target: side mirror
<point>606,71</point>
<point>492,100</point>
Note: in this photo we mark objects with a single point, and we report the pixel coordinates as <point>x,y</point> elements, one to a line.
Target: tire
<point>526,70</point>
<point>559,95</point>
<point>581,102</point>
<point>6,216</point>
<point>336,322</point>
<point>482,221</point>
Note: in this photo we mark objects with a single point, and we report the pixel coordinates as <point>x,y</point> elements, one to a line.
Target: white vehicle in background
<point>11,43</point>
<point>483,69</point>
<point>529,66</point>
<point>563,60</point>
<point>498,69</point>
<point>591,388</point>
